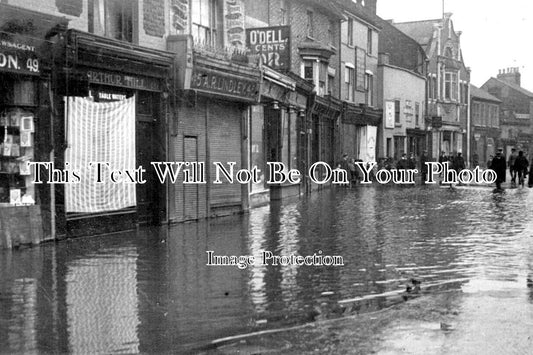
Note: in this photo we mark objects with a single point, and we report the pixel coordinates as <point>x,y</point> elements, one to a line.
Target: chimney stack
<point>371,6</point>
<point>510,75</point>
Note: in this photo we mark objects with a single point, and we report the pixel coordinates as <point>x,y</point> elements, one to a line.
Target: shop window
<point>204,21</point>
<point>112,18</point>
<point>17,127</point>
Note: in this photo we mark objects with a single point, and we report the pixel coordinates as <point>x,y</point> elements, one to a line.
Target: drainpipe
<point>468,122</point>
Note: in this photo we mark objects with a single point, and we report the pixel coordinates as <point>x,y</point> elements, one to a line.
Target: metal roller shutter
<point>224,146</point>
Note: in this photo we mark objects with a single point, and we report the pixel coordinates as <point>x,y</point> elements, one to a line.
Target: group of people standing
<point>517,164</point>
<point>518,168</point>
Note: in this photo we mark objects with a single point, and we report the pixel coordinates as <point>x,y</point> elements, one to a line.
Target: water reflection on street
<point>151,291</point>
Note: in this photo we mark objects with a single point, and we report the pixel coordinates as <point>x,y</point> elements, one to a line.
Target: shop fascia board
<point>278,78</point>
<point>223,66</point>
<point>118,49</point>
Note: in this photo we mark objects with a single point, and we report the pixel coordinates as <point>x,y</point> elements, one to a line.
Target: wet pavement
<point>152,292</point>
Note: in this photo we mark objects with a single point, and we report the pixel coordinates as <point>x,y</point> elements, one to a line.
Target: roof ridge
<point>400,23</point>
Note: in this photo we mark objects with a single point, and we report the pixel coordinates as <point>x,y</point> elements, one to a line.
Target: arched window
<point>448,52</point>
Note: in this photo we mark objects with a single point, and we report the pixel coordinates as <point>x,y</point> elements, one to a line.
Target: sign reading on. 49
<point>18,57</point>
<point>272,43</point>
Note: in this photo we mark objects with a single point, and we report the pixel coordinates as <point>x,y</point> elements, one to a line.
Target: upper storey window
<point>112,18</point>
<point>204,21</point>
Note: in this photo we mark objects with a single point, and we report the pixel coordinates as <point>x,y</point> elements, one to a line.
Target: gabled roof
<point>420,31</point>
<point>359,11</point>
<point>482,94</point>
<point>514,87</point>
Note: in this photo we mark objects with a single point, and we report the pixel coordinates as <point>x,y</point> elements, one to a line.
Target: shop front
<point>359,126</point>
<point>209,126</point>
<point>115,114</point>
<point>26,59</point>
<point>280,120</point>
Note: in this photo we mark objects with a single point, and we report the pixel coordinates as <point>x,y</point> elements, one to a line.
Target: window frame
<point>310,23</point>
<point>211,29</point>
<point>397,112</point>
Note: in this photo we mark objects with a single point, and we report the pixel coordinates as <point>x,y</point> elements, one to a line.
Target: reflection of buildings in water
<point>256,244</point>
<point>203,301</point>
<point>21,335</point>
<point>289,223</point>
<point>102,304</point>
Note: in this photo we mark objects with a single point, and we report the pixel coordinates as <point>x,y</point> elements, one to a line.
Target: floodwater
<point>151,291</point>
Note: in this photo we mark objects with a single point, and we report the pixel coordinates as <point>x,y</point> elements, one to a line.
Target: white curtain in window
<point>99,132</point>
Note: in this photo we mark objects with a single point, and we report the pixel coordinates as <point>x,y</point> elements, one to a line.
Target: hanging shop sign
<point>122,80</point>
<point>19,57</point>
<point>273,44</point>
<point>225,84</point>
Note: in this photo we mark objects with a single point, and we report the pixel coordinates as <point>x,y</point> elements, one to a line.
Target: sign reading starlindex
<point>273,44</point>
<point>18,57</point>
<point>224,84</point>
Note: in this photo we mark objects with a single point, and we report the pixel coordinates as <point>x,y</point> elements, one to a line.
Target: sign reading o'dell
<point>272,43</point>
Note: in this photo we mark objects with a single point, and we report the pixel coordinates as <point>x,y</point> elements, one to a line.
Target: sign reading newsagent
<point>272,43</point>
<point>19,57</point>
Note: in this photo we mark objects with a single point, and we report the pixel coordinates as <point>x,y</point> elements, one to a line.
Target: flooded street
<point>151,291</point>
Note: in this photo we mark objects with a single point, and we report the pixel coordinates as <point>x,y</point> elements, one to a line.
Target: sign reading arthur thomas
<point>272,43</point>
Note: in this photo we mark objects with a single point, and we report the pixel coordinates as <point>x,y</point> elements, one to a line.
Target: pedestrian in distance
<point>352,172</point>
<point>424,167</point>
<point>500,168</point>
<point>459,162</point>
<point>530,180</point>
<point>489,162</point>
<point>510,164</point>
<point>402,163</point>
<point>343,164</point>
<point>520,166</point>
<point>412,161</point>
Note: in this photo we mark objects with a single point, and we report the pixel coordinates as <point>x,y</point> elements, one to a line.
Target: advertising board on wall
<point>273,44</point>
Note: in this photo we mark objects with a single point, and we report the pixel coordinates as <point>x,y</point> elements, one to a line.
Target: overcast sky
<point>496,34</point>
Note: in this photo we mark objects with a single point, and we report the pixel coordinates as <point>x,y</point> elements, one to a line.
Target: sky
<point>496,34</point>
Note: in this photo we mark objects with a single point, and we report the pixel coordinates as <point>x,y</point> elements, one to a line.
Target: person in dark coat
<point>442,157</point>
<point>489,162</point>
<point>500,167</point>
<point>459,163</point>
<point>530,181</point>
<point>423,166</point>
<point>520,166</point>
<point>403,163</point>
